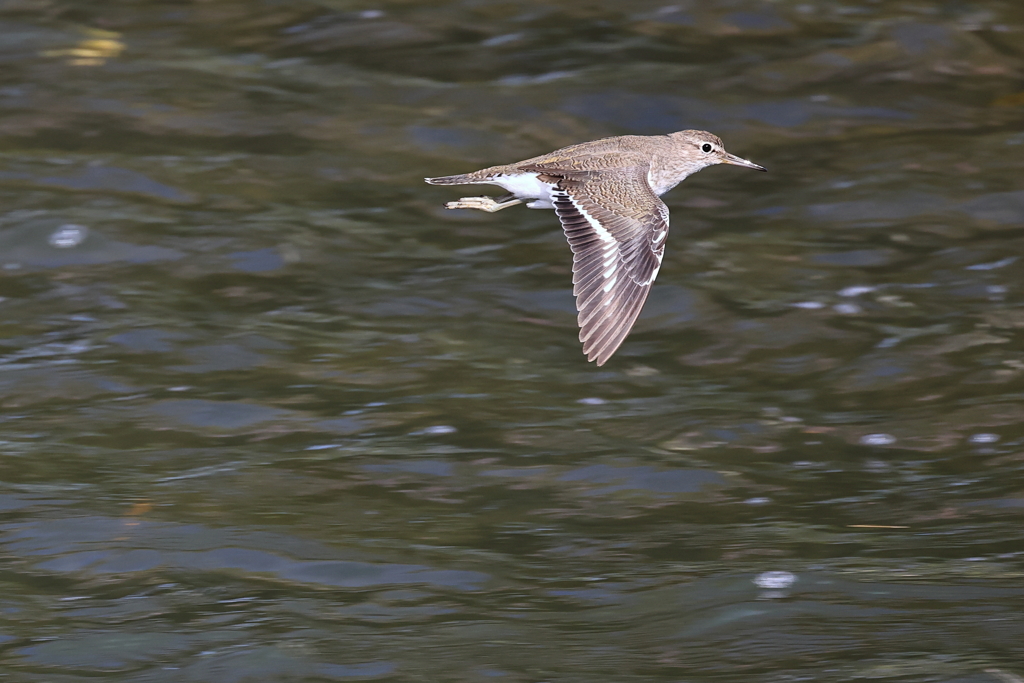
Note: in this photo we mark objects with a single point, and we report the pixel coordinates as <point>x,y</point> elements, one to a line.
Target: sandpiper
<point>606,196</point>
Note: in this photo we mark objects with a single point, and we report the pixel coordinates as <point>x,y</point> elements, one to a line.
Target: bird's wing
<point>616,226</point>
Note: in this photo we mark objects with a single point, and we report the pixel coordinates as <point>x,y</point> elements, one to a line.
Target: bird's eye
<point>706,147</point>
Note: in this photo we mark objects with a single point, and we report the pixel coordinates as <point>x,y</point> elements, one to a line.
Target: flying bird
<point>606,194</point>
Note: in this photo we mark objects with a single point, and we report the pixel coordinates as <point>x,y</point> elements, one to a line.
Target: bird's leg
<point>488,204</point>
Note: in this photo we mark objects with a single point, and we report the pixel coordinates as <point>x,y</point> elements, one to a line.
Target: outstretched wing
<point>616,226</point>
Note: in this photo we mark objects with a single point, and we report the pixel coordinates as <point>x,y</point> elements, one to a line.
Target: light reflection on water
<point>271,413</point>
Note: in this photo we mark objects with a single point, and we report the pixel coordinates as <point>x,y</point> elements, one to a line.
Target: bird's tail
<point>462,179</point>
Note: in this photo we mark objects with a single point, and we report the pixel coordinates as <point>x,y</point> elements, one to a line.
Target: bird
<point>607,196</point>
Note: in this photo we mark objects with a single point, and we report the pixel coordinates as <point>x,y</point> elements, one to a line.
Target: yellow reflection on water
<point>95,49</point>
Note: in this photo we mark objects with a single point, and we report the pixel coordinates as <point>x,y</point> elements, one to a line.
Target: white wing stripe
<point>601,231</point>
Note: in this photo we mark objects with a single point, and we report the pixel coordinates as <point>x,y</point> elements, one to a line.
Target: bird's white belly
<point>527,186</point>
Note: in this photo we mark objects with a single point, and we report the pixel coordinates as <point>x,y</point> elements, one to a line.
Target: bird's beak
<point>736,161</point>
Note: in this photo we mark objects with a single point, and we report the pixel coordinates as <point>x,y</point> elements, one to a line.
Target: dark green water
<point>269,413</point>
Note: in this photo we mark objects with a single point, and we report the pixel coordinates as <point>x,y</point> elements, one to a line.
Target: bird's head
<point>707,150</point>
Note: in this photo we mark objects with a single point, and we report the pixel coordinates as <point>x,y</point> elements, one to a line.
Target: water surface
<point>270,413</point>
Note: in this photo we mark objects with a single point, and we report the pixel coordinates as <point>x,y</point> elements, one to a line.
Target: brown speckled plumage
<point>606,196</point>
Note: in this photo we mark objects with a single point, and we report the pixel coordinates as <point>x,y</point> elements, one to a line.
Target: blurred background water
<point>270,413</point>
